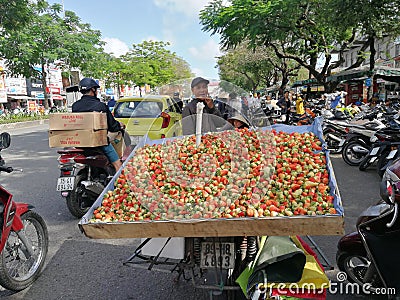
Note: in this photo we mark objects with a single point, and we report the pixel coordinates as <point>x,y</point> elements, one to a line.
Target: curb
<point>23,124</point>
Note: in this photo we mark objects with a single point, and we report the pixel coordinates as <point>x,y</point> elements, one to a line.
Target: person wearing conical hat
<point>238,121</point>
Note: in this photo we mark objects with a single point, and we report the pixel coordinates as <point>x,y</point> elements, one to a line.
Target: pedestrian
<point>234,105</point>
<point>111,103</point>
<point>299,104</point>
<point>212,118</point>
<point>90,103</point>
<point>285,105</point>
<point>245,105</point>
<point>238,121</point>
<point>178,101</point>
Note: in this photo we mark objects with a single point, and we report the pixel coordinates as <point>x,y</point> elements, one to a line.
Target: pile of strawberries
<point>231,174</point>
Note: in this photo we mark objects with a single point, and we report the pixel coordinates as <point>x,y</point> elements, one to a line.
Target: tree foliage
<point>253,68</point>
<point>46,40</point>
<point>151,63</point>
<point>303,31</point>
<point>14,14</point>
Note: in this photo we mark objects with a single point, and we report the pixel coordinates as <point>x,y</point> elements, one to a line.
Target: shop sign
<point>32,105</point>
<point>15,85</point>
<point>53,90</point>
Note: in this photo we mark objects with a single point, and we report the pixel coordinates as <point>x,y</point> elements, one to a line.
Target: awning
<point>20,97</point>
<point>387,73</point>
<point>311,81</point>
<point>58,97</point>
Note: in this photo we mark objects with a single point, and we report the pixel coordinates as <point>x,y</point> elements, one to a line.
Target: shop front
<point>383,81</point>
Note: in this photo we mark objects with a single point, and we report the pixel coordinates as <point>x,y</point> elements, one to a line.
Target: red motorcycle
<point>23,237</point>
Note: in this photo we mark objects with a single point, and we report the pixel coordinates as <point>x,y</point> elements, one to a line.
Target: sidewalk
<point>23,124</point>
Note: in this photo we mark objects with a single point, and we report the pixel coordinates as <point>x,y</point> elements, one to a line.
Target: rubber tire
<point>73,202</point>
<point>365,163</point>
<point>346,158</point>
<point>382,161</point>
<point>341,260</point>
<point>9,282</point>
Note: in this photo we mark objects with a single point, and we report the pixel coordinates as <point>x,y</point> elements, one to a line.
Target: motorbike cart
<point>243,255</point>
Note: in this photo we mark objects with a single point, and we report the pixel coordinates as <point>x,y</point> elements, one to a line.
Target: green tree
<point>255,68</point>
<point>370,20</point>
<point>303,31</point>
<point>14,14</point>
<point>80,45</point>
<point>151,63</point>
<point>49,39</point>
<point>294,29</point>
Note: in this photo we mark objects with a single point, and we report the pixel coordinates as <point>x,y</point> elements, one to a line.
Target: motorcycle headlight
<point>373,139</point>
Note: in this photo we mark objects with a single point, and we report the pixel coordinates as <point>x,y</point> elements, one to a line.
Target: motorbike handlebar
<point>396,213</point>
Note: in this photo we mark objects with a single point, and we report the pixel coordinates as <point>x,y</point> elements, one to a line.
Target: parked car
<point>154,115</point>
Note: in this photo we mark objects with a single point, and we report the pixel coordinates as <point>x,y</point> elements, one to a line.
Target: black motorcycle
<point>386,143</point>
<point>85,172</point>
<point>357,143</point>
<point>363,255</point>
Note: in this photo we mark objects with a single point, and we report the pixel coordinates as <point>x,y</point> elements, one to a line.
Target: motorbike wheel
<point>366,162</point>
<point>356,266</point>
<point>351,157</point>
<point>18,269</point>
<point>74,200</point>
<point>332,143</point>
<point>382,163</point>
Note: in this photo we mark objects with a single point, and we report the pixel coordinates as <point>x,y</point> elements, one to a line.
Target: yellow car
<point>156,116</point>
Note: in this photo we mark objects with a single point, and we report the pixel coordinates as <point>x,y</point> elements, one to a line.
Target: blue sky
<point>126,22</point>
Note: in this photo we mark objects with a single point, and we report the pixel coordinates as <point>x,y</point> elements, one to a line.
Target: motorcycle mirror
<point>5,140</point>
<point>387,191</point>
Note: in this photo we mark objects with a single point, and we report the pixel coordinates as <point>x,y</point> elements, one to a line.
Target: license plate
<point>391,154</point>
<point>65,184</point>
<point>221,255</point>
<point>341,142</point>
<point>374,151</point>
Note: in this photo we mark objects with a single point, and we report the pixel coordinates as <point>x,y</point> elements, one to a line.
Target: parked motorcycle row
<point>363,254</point>
<point>365,138</point>
<point>370,138</point>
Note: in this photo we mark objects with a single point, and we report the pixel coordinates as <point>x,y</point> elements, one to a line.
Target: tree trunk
<point>46,96</point>
<point>371,68</point>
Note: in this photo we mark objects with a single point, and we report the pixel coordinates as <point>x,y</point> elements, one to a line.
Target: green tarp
<point>304,82</point>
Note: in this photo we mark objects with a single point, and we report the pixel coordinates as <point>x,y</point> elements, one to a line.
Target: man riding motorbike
<point>90,103</point>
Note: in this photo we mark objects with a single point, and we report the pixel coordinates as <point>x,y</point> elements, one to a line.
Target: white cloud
<point>115,46</point>
<point>189,8</point>
<point>206,52</point>
<point>151,38</point>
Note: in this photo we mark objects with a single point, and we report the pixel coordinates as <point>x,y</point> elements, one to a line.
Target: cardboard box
<point>73,121</point>
<point>77,138</point>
